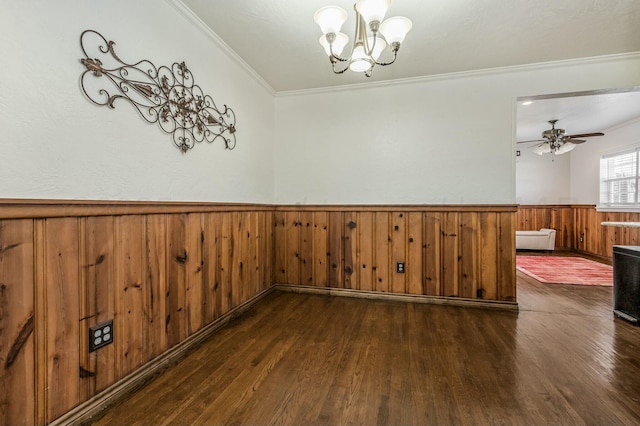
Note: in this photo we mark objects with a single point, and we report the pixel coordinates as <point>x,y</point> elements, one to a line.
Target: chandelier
<point>371,38</point>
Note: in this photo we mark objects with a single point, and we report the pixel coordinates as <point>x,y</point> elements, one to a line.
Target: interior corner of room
<point>125,244</point>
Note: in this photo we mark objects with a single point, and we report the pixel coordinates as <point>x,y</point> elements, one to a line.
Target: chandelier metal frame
<point>366,48</point>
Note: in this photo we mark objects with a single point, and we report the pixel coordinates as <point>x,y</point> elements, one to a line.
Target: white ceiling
<point>588,112</point>
<point>279,40</point>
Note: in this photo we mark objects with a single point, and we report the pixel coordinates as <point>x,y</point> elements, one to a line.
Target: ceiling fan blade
<point>534,140</point>
<point>575,141</point>
<point>585,135</point>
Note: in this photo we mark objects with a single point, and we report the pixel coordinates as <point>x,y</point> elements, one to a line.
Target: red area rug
<point>565,270</point>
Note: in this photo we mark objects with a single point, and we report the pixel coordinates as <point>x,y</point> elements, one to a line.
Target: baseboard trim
<point>84,412</point>
<point>408,298</point>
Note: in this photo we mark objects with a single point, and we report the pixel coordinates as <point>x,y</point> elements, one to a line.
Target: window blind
<point>619,179</point>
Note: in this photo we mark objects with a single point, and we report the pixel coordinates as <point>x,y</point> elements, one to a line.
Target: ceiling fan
<point>555,141</point>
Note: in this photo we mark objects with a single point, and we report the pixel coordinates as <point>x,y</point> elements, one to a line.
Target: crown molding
<point>179,6</point>
<point>184,10</point>
<point>465,74</point>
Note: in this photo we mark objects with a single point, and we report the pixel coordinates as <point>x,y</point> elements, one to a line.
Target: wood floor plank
<point>310,359</point>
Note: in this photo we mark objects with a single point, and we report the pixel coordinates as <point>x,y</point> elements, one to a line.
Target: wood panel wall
<point>558,217</point>
<point>160,276</point>
<point>593,238</point>
<point>163,271</point>
<point>579,227</point>
<point>448,251</point>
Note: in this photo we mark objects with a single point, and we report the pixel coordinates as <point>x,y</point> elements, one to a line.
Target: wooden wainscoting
<point>579,227</point>
<point>462,252</point>
<point>160,275</point>
<point>166,273</point>
<point>558,217</point>
<point>593,238</point>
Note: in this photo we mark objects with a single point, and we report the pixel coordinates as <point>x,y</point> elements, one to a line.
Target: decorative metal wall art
<point>163,95</point>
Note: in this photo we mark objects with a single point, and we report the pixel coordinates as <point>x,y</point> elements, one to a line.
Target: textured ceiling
<point>279,39</point>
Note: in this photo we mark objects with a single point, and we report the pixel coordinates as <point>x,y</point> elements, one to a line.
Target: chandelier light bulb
<point>360,61</point>
<point>330,19</point>
<point>338,44</point>
<point>395,29</point>
<point>378,48</point>
<point>373,10</point>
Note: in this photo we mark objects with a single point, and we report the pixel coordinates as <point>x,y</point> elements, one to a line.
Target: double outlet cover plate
<point>100,335</point>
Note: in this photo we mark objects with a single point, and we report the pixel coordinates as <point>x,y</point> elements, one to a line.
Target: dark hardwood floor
<point>304,359</point>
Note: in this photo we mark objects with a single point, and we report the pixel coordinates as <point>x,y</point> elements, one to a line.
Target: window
<point>619,180</point>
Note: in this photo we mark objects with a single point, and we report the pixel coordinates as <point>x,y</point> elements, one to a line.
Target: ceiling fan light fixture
<point>543,148</point>
<point>564,148</point>
<point>556,141</point>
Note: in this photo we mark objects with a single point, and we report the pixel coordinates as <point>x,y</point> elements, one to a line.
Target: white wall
<point>445,139</point>
<point>585,163</point>
<point>542,179</point>
<point>56,144</point>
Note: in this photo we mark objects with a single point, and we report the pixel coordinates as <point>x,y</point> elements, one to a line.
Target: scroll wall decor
<point>164,95</point>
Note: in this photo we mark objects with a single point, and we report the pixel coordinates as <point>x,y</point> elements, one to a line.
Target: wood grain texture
<point>506,259</point>
<point>350,256</point>
<point>306,359</point>
<point>17,342</point>
<point>161,277</point>
<point>365,251</point>
<point>489,254</point>
<point>335,250</point>
<point>177,256</point>
<point>211,253</point>
<point>280,250</point>
<point>398,250</point>
<point>415,253</point>
<point>432,282</point>
<point>579,227</point>
<point>306,248</point>
<point>194,285</point>
<point>155,306</point>
<point>61,270</point>
<point>98,270</point>
<point>556,217</point>
<point>35,208</point>
<point>464,253</point>
<point>320,248</point>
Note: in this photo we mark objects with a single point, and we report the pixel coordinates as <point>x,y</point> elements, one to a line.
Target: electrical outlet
<point>100,335</point>
<point>400,267</point>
